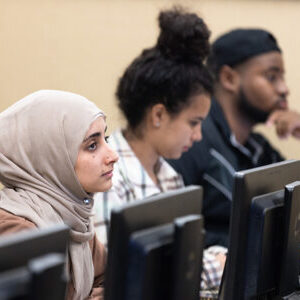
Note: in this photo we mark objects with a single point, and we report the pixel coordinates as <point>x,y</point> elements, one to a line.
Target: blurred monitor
<point>289,285</point>
<point>264,245</point>
<point>155,248</point>
<point>32,264</point>
<point>257,232</point>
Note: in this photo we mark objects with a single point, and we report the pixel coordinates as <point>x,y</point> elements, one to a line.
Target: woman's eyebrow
<point>200,118</point>
<point>96,134</point>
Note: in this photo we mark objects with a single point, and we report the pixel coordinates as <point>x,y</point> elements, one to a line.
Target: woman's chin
<point>107,187</point>
<point>103,188</point>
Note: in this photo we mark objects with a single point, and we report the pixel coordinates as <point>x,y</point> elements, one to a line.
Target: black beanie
<point>239,45</point>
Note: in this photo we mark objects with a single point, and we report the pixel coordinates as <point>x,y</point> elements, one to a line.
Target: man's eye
<point>271,77</point>
<point>92,147</point>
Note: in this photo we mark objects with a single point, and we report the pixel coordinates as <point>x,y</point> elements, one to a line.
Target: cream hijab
<point>40,136</point>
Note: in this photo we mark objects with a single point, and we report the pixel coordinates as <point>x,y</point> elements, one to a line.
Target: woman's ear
<point>229,79</point>
<point>158,114</point>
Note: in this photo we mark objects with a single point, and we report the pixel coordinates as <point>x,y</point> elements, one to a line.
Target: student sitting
<point>164,95</point>
<point>53,157</point>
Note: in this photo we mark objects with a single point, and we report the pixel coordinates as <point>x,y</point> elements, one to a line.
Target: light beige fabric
<point>40,137</point>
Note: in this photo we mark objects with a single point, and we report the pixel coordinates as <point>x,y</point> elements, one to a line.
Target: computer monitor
<point>32,264</point>
<point>155,248</point>
<point>249,184</point>
<point>289,284</point>
<point>264,245</point>
<point>272,254</point>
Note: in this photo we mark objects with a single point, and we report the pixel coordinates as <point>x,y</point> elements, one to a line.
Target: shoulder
<point>117,140</point>
<point>169,178</point>
<point>10,223</point>
<point>127,159</point>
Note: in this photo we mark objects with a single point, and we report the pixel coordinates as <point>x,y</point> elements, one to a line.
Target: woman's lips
<point>108,174</point>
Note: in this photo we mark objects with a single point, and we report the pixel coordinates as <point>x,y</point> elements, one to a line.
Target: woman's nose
<point>112,156</point>
<point>197,134</point>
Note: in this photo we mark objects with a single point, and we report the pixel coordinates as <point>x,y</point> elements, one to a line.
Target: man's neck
<point>240,126</point>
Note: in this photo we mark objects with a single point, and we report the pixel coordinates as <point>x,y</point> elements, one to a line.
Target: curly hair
<point>171,72</point>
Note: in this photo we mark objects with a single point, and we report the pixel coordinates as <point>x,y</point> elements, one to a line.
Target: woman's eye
<point>92,146</point>
<point>106,138</point>
<point>194,123</point>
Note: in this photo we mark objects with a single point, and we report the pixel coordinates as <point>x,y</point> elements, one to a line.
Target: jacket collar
<point>218,117</point>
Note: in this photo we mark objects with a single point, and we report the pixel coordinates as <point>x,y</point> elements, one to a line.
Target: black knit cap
<point>239,45</point>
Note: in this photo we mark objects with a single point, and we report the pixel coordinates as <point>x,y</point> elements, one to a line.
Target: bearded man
<point>249,88</point>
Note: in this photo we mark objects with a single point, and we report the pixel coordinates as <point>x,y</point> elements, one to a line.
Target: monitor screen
<point>146,240</point>
<point>249,184</point>
<point>32,264</point>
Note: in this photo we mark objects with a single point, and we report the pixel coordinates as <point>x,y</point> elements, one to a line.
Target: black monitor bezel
<point>165,208</point>
<point>32,243</point>
<point>290,267</point>
<point>32,260</point>
<point>247,185</point>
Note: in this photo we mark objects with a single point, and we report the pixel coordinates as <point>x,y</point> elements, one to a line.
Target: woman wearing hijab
<point>53,157</point>
<point>164,95</point>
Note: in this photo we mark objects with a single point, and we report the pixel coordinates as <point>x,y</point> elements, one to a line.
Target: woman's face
<point>95,161</point>
<point>177,134</point>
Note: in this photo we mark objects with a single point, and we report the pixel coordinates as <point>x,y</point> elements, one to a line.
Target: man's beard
<point>249,111</point>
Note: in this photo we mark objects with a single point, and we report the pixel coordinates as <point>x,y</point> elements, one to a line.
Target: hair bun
<point>183,36</point>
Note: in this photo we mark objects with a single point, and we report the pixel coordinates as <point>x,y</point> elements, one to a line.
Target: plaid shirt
<point>131,182</point>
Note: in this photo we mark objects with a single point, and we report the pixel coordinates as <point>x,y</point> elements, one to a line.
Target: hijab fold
<point>40,138</point>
